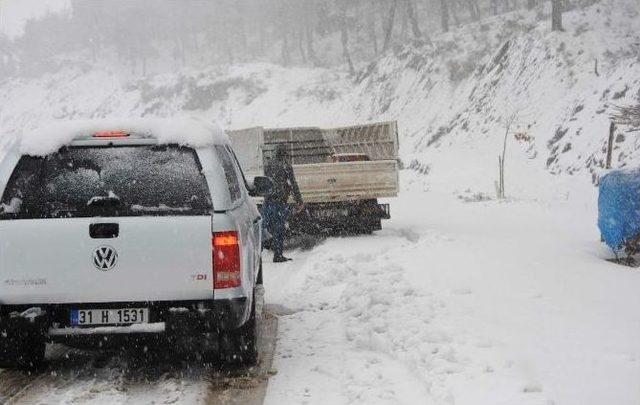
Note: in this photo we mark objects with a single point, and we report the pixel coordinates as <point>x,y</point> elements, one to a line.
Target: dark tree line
<point>144,34</point>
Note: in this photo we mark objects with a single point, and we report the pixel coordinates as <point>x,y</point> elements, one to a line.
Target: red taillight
<point>226,260</point>
<point>110,134</point>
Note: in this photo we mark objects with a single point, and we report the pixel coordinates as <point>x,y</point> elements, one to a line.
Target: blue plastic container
<point>619,207</point>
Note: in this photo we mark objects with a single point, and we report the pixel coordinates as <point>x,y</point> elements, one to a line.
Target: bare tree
<point>411,13</point>
<point>309,21</point>
<point>388,30</point>
<point>372,29</point>
<point>556,15</point>
<point>344,37</point>
<point>500,189</point>
<point>494,7</point>
<point>444,15</point>
<point>474,10</point>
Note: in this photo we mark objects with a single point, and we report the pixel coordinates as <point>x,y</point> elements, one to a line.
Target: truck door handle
<point>104,231</point>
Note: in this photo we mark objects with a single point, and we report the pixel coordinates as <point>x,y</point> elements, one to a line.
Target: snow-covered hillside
<point>452,98</point>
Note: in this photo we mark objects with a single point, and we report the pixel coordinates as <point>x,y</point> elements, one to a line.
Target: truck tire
<point>240,346</point>
<point>21,351</point>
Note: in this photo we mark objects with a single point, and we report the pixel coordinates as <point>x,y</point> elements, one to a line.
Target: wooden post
<point>612,130</point>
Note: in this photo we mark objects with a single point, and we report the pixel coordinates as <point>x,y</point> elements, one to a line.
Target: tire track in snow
<point>249,388</point>
<point>15,382</point>
<point>348,330</point>
<point>80,377</point>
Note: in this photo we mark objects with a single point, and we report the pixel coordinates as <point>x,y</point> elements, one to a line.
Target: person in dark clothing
<point>276,205</point>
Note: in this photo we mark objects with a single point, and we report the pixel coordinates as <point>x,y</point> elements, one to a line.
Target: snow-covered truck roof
<point>50,137</point>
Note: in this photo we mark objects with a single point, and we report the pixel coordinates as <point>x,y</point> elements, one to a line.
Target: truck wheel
<point>240,346</point>
<point>368,226</point>
<point>22,351</point>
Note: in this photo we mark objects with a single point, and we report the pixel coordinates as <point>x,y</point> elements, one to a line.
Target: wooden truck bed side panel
<point>332,182</point>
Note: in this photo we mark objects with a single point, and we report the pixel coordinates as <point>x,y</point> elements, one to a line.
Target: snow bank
<point>192,132</point>
<point>470,304</point>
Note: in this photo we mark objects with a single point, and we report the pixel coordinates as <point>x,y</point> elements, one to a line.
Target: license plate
<point>123,316</point>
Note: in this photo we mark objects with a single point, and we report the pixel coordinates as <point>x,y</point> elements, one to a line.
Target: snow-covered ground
<point>460,302</point>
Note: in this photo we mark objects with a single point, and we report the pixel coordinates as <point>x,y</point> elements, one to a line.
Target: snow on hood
<point>50,137</point>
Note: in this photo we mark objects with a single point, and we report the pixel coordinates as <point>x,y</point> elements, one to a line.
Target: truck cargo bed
<point>316,156</point>
<point>347,181</point>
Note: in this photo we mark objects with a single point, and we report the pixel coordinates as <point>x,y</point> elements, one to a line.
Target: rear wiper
<point>109,204</point>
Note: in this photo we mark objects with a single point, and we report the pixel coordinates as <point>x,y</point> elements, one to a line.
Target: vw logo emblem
<point>105,258</point>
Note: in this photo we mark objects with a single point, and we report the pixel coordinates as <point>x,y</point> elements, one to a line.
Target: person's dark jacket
<point>284,181</point>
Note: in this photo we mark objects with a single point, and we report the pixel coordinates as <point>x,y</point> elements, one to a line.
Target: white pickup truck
<point>342,172</point>
<point>121,233</point>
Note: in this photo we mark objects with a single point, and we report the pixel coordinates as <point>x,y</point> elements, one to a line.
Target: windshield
<point>107,181</point>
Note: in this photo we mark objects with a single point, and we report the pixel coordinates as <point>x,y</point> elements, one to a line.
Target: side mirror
<point>260,186</point>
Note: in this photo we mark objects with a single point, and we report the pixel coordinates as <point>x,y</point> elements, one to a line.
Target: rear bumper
<point>177,318</point>
<point>328,217</point>
<point>360,209</point>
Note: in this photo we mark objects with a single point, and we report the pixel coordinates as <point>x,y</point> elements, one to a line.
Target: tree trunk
<point>229,50</point>
<point>242,33</point>
<point>405,24</point>
<point>261,41</point>
<point>344,36</point>
<point>454,14</point>
<point>311,53</point>
<point>388,31</point>
<point>371,29</point>
<point>301,46</point>
<point>474,12</point>
<point>556,15</point>
<point>444,14</point>
<point>286,58</point>
<point>494,7</point>
<point>411,13</point>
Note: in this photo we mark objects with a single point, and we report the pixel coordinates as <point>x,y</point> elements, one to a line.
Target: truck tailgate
<point>330,182</point>
<point>57,260</point>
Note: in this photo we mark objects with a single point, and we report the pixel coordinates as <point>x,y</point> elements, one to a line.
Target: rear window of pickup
<point>107,181</point>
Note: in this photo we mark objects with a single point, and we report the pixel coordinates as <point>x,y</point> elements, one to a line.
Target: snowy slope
<point>452,98</point>
<point>519,69</point>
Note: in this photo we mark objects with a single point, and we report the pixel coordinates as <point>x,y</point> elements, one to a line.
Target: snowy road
<point>80,377</point>
<point>459,303</point>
